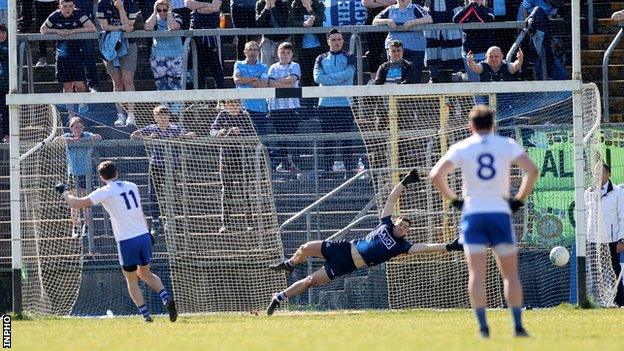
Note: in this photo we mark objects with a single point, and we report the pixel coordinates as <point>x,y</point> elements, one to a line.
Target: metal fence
<point>25,56</point>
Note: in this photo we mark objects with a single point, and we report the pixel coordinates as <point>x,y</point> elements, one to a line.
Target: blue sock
<point>164,296</point>
<point>516,312</point>
<point>289,263</point>
<point>144,312</point>
<point>281,296</point>
<point>480,312</point>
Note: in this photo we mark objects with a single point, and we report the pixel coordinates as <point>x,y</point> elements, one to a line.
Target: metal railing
<point>355,44</point>
<point>605,71</point>
<point>590,17</point>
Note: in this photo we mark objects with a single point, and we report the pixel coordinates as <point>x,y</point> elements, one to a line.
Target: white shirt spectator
<point>605,213</point>
<point>279,71</point>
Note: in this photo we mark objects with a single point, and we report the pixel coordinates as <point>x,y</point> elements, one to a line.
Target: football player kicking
<point>485,160</point>
<point>122,202</point>
<point>342,257</point>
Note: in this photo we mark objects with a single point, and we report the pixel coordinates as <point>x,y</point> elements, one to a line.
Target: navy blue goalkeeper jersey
<point>380,245</point>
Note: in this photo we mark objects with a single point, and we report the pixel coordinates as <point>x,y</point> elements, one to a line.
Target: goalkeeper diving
<point>342,257</point>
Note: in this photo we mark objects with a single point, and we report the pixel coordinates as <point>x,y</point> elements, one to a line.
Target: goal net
<point>215,196</point>
<point>209,200</point>
<point>405,132</point>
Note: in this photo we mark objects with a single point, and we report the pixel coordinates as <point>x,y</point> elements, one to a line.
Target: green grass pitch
<point>562,328</point>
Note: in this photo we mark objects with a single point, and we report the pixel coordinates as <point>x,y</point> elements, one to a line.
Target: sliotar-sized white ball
<point>559,256</point>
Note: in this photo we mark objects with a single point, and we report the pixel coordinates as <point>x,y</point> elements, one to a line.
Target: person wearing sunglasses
<point>167,53</point>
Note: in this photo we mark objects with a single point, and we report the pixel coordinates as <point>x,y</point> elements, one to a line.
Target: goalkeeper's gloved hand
<point>412,177</point>
<point>61,187</point>
<point>454,246</point>
<point>458,203</point>
<point>515,204</point>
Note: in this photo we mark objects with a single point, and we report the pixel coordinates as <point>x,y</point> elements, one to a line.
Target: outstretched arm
<point>422,248</point>
<point>74,202</point>
<point>453,245</point>
<point>388,209</point>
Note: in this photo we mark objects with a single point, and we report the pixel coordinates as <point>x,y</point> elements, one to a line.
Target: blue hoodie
<point>332,69</point>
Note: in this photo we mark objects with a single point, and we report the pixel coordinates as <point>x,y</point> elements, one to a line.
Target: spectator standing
<point>155,133</point>
<point>544,51</point>
<point>120,15</point>
<point>243,14</point>
<point>271,14</point>
<point>205,15</point>
<point>608,215</point>
<point>494,68</point>
<point>397,70</point>
<point>70,68</point>
<point>43,9</point>
<point>307,47</point>
<point>376,53</point>
<point>4,82</point>
<point>284,113</point>
<point>335,68</point>
<point>78,169</point>
<point>167,53</point>
<point>475,41</point>
<point>89,46</point>
<point>443,46</point>
<point>233,121</point>
<point>251,73</point>
<point>408,15</point>
<point>181,10</point>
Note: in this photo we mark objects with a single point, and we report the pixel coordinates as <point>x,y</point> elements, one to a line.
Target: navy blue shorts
<point>70,69</point>
<point>487,229</point>
<point>135,251</point>
<point>338,259</point>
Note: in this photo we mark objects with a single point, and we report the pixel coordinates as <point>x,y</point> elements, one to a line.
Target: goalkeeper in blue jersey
<point>342,257</point>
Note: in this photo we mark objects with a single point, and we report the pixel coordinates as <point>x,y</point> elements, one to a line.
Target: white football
<point>559,256</point>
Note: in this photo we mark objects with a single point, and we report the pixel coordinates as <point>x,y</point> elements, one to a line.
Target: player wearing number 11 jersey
<point>122,202</point>
<point>485,160</point>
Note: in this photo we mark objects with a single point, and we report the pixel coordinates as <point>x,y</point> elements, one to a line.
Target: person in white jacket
<point>605,224</point>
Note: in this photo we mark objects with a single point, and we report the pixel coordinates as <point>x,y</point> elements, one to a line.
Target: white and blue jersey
<point>380,245</point>
<point>485,161</point>
<point>122,202</point>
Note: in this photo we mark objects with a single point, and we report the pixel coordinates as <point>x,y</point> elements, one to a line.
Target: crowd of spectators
<point>437,49</point>
<point>277,60</point>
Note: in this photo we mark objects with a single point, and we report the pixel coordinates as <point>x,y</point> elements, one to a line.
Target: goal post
<point>423,120</point>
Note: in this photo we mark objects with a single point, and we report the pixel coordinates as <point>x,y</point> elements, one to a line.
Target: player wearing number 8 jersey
<point>485,160</point>
<point>122,202</point>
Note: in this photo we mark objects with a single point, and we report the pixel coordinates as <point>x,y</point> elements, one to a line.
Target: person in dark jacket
<point>494,68</point>
<point>243,14</point>
<point>205,15</point>
<point>397,70</point>
<point>271,14</point>
<point>475,41</point>
<point>232,123</point>
<point>307,47</point>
